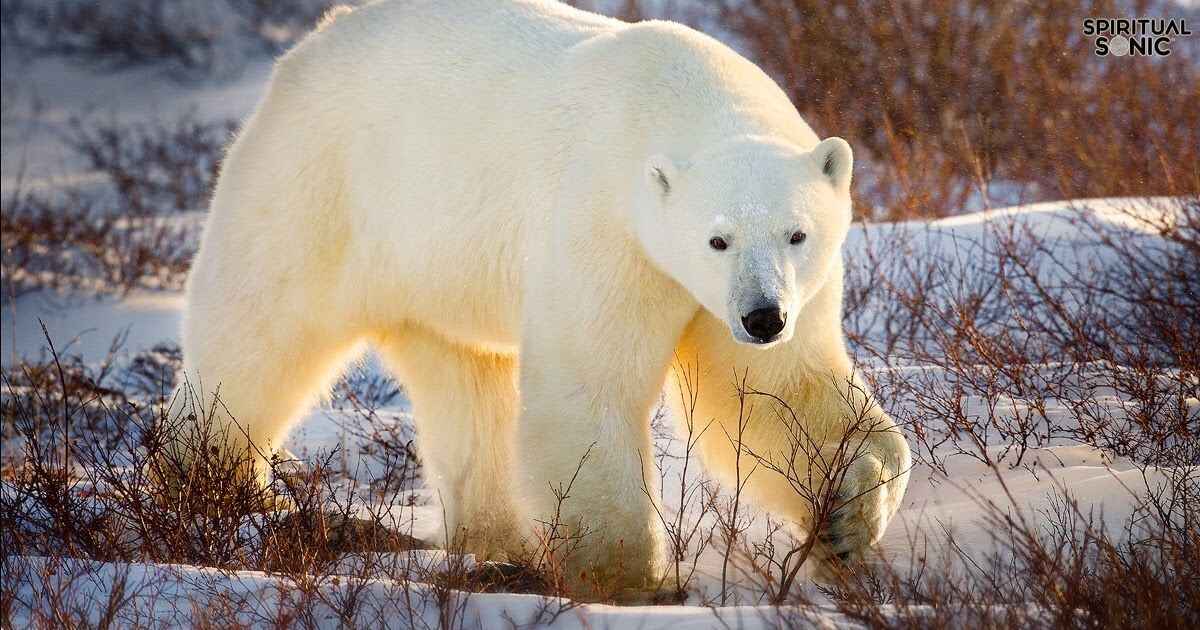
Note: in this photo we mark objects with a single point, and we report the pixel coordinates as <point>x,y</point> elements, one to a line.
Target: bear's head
<point>752,228</point>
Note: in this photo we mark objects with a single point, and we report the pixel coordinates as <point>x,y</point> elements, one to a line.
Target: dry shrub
<point>1019,341</point>
<point>549,558</point>
<point>1021,336</point>
<point>1062,568</point>
<point>154,168</point>
<point>277,24</point>
<point>1015,341</point>
<point>993,345</point>
<point>365,389</point>
<point>815,470</point>
<point>131,232</point>
<point>131,32</point>
<point>941,97</point>
<point>202,38</point>
<point>62,383</point>
<point>81,462</point>
<point>687,529</point>
<point>72,243</point>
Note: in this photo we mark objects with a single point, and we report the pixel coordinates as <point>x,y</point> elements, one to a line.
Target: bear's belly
<point>483,317</point>
<point>466,295</point>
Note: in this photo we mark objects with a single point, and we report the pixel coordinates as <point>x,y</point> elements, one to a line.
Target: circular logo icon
<point>1119,45</point>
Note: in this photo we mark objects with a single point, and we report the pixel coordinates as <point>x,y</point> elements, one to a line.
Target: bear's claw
<point>854,524</point>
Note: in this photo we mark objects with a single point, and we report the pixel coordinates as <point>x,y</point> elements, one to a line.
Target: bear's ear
<point>836,160</point>
<point>661,173</point>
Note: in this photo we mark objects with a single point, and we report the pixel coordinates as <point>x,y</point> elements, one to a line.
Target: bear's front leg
<point>865,462</point>
<point>873,470</point>
<point>591,525</point>
<point>591,372</point>
<point>808,444</point>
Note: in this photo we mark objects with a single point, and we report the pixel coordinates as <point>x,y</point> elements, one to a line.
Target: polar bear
<point>531,212</point>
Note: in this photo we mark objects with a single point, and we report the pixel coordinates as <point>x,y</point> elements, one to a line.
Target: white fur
<point>475,186</point>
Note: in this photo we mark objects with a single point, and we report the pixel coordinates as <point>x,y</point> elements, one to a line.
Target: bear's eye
<point>718,243</point>
<point>797,237</point>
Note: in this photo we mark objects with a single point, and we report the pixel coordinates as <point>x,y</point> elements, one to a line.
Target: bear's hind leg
<point>465,405</point>
<point>256,373</point>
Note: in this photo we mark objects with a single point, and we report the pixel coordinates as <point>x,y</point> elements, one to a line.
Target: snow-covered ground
<point>955,499</point>
<point>40,95</point>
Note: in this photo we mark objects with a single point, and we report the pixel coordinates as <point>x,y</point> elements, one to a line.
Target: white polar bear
<point>530,211</point>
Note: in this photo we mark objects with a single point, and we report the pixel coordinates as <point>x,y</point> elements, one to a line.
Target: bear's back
<point>476,37</point>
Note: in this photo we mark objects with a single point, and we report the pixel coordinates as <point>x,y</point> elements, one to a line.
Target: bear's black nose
<point>764,323</point>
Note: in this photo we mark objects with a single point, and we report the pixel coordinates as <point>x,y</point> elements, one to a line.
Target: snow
<point>161,592</point>
<point>87,325</point>
<point>53,90</point>
<point>952,500</point>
